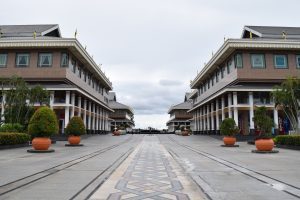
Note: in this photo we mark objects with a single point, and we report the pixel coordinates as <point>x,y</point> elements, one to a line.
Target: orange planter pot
<point>229,140</point>
<point>40,143</point>
<point>264,144</point>
<point>74,140</point>
<point>116,133</point>
<point>184,133</point>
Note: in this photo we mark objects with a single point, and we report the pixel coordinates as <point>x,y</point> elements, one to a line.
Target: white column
<point>199,119</point>
<point>217,115</point>
<point>101,118</point>
<point>104,120</point>
<point>275,118</point>
<point>212,116</point>
<point>84,112</point>
<point>93,120</point>
<point>96,118</point>
<point>229,105</point>
<point>223,107</point>
<point>202,118</point>
<point>67,108</point>
<point>79,106</point>
<point>51,99</point>
<point>107,124</point>
<point>207,117</point>
<point>73,105</point>
<point>90,115</point>
<point>251,111</point>
<point>3,107</point>
<point>235,109</point>
<point>196,120</point>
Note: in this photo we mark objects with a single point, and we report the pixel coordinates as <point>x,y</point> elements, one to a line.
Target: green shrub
<point>263,122</point>
<point>43,123</point>
<point>14,138</point>
<point>293,140</point>
<point>75,127</point>
<point>12,128</point>
<point>228,127</point>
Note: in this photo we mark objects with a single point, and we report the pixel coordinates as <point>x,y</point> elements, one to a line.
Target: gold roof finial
<point>75,34</point>
<point>284,35</point>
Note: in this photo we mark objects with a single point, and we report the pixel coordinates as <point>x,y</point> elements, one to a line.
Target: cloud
<point>170,83</point>
<point>151,49</point>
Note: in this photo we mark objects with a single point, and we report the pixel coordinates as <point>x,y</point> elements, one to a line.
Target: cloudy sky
<point>151,49</point>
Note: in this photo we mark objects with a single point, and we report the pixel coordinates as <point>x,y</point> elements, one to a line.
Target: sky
<point>151,49</point>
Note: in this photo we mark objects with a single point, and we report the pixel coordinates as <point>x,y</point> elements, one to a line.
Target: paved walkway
<point>149,173</point>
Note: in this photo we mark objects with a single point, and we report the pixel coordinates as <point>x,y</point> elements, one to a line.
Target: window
<point>217,76</point>
<point>298,61</point>
<point>222,72</point>
<point>84,75</point>
<point>79,71</point>
<point>238,61</point>
<point>208,83</point>
<point>73,66</point>
<point>22,59</point>
<point>64,60</point>
<point>212,81</point>
<point>280,61</point>
<point>89,79</point>
<point>229,66</point>
<point>45,59</point>
<point>258,61</point>
<point>3,59</point>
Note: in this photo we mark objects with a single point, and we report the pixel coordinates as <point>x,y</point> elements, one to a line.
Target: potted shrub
<point>228,128</point>
<point>117,131</point>
<point>74,130</point>
<point>184,131</point>
<point>42,125</point>
<point>264,123</point>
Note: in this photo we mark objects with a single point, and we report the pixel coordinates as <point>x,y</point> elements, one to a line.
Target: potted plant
<point>117,131</point>
<point>184,131</point>
<point>264,123</point>
<point>228,128</point>
<point>74,130</point>
<point>42,125</point>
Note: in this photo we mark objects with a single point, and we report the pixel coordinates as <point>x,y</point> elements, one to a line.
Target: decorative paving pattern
<point>149,176</point>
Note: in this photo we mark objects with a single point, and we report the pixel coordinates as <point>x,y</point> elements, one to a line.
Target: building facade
<point>122,116</point>
<point>179,116</point>
<point>241,77</point>
<point>77,86</point>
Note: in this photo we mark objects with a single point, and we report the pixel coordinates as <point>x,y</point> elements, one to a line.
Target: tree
<point>287,97</point>
<point>20,99</point>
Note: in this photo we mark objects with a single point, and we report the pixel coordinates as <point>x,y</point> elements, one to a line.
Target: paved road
<point>150,167</point>
<point>68,173</point>
<point>149,173</point>
<point>236,173</point>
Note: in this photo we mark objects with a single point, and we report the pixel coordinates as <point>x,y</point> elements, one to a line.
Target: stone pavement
<point>149,173</point>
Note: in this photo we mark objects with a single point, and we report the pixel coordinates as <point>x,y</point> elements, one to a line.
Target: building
<point>77,86</point>
<point>241,75</point>
<point>123,115</point>
<point>179,116</point>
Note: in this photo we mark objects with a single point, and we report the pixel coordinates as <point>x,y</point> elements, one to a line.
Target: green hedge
<point>293,140</point>
<point>12,128</point>
<point>14,138</point>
